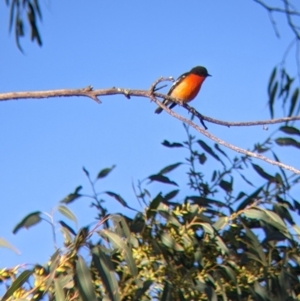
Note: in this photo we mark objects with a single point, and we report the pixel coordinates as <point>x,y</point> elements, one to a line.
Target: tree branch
<point>287,11</point>
<point>224,143</point>
<point>151,94</point>
<point>94,94</point>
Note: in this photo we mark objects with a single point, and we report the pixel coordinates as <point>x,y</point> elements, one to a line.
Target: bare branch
<point>93,94</point>
<point>88,92</point>
<point>153,87</point>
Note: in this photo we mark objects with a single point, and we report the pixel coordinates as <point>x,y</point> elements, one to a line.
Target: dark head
<point>199,70</point>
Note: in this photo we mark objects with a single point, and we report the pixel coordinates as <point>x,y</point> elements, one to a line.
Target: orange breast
<point>188,88</point>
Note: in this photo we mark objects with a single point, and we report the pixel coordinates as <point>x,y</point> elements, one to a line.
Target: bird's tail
<point>158,110</point>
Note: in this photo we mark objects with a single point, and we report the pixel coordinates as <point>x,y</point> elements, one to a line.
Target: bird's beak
<point>208,75</point>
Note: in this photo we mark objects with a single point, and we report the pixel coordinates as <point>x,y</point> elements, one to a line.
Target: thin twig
<point>153,87</point>
<point>227,123</point>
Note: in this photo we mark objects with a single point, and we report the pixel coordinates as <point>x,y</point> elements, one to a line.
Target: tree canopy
<point>204,238</point>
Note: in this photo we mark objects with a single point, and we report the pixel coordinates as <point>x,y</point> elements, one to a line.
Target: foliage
<point>220,241</point>
<point>31,8</point>
<point>17,21</point>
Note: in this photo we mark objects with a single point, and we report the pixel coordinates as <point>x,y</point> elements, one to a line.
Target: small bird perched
<point>186,87</point>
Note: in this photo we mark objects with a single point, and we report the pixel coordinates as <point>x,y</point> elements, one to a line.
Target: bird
<point>186,87</point>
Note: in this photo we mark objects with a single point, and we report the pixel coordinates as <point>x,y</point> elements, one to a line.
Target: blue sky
<point>45,143</point>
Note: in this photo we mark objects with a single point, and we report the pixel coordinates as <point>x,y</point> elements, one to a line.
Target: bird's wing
<point>178,80</point>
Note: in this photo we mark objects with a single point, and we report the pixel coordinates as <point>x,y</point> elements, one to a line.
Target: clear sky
<point>45,143</point>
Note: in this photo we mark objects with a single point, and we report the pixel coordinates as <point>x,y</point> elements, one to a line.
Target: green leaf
<point>262,173</point>
<point>240,195</point>
<point>228,272</point>
<point>106,272</point>
<point>254,246</point>
<point>21,279</point>
<point>297,206</point>
<point>67,213</point>
<point>119,199</point>
<point>204,202</point>
<point>86,172</point>
<point>6,244</point>
<point>217,147</point>
<point>261,148</point>
<point>83,281</point>
<point>120,225</point>
<point>246,180</point>
<point>162,179</point>
<point>214,175</point>
<point>286,83</point>
<point>104,172</point>
<point>54,263</point>
<point>271,80</point>
<point>211,294</point>
<point>294,100</point>
<point>138,223</point>
<point>66,235</point>
<point>254,213</point>
<point>19,31</point>
<point>119,244</point>
<point>167,292</point>
<point>37,8</point>
<point>209,150</point>
<point>276,218</point>
<point>35,35</point>
<point>172,194</point>
<point>289,130</point>
<point>170,218</point>
<point>174,144</point>
<point>202,158</point>
<point>64,225</point>
<point>220,223</point>
<point>297,230</point>
<point>139,293</point>
<point>12,14</point>
<point>169,168</point>
<point>269,217</point>
<point>59,292</point>
<point>287,142</point>
<point>28,221</point>
<point>152,208</point>
<point>81,237</point>
<point>282,170</point>
<point>72,196</point>
<point>170,242</point>
<point>222,245</point>
<point>227,186</point>
<point>283,212</point>
<point>261,291</point>
<point>208,229</point>
<point>250,199</point>
<point>272,99</point>
<point>221,286</point>
<point>274,235</point>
